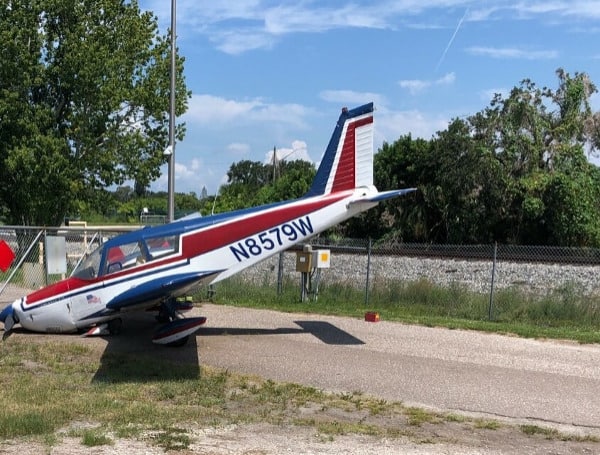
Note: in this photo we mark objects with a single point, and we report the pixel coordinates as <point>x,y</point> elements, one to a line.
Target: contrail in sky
<point>451,39</point>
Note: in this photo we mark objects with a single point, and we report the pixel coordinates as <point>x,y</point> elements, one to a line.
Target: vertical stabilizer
<point>348,160</point>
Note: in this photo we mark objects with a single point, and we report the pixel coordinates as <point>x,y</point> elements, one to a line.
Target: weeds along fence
<point>360,264</point>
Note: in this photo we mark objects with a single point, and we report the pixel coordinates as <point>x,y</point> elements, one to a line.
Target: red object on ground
<point>371,316</point>
<point>6,256</point>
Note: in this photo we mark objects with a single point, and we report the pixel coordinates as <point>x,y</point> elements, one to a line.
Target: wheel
<point>162,317</point>
<point>114,326</point>
<point>179,343</point>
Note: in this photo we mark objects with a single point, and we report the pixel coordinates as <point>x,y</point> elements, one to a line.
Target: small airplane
<point>150,268</point>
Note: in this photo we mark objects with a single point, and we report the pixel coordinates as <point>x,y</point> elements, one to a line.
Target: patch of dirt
<point>265,439</point>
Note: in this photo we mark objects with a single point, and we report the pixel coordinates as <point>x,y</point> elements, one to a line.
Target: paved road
<point>498,376</point>
<point>454,370</point>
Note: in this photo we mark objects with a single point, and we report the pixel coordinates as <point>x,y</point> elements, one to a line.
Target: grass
<point>418,416</point>
<point>51,387</point>
<point>93,438</point>
<point>566,313</point>
<point>56,389</point>
<point>552,433</point>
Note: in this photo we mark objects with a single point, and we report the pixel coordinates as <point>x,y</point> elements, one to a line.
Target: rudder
<point>348,159</point>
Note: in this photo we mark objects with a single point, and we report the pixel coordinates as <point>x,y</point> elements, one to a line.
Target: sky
<point>268,74</point>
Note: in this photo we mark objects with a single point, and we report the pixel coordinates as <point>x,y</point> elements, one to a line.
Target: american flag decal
<point>92,299</point>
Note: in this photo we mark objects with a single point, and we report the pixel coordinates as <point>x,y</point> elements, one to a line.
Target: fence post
<point>368,272</point>
<point>43,256</point>
<point>490,309</point>
<point>280,274</point>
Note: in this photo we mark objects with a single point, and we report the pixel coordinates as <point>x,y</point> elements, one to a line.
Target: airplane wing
<point>159,288</point>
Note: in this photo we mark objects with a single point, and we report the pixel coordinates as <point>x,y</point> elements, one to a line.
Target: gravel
<point>476,275</point>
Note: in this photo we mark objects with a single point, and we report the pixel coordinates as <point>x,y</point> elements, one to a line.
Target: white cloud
<point>352,97</point>
<point>244,25</point>
<point>214,125</point>
<point>558,11</point>
<point>415,86</point>
<point>512,53</point>
<point>448,79</point>
<point>192,176</point>
<point>300,18</point>
<point>298,151</point>
<point>183,171</point>
<point>186,176</point>
<point>240,26</point>
<point>238,42</point>
<point>585,9</point>
<point>239,149</point>
<point>215,112</point>
<point>390,125</point>
<point>574,8</point>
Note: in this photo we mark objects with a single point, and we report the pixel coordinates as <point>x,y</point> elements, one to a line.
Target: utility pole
<point>274,163</point>
<point>171,176</point>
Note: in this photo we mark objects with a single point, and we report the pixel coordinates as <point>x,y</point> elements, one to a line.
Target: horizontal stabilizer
<point>97,330</point>
<point>177,331</point>
<point>383,195</point>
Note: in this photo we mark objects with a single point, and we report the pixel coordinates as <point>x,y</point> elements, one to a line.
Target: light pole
<point>171,176</point>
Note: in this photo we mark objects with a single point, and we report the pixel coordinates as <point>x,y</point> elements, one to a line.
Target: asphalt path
<point>555,382</point>
<point>492,375</point>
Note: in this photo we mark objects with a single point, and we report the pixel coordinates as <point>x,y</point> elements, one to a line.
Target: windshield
<point>89,267</point>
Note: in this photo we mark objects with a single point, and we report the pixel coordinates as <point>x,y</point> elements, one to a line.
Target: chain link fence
<point>484,269</point>
<point>359,263</point>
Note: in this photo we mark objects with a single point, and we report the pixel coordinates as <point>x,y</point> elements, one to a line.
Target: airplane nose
<point>7,311</point>
<point>7,316</point>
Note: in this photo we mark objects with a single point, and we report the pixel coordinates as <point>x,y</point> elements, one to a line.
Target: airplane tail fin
<point>348,159</point>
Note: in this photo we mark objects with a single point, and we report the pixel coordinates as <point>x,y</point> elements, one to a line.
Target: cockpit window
<point>88,268</point>
<point>126,255</point>
<point>163,245</point>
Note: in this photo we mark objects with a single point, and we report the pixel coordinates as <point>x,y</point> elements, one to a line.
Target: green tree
<point>84,97</point>
<point>469,188</point>
<point>514,172</point>
<point>294,180</point>
<point>124,193</point>
<point>401,164</point>
<point>572,209</point>
<point>244,179</point>
<point>251,183</point>
<point>539,137</point>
